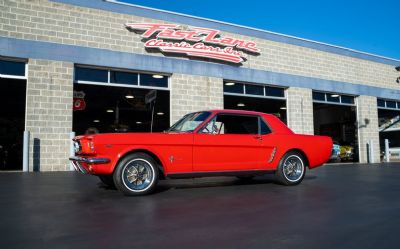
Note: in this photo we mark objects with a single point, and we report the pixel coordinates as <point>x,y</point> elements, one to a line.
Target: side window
<point>264,127</point>
<point>232,124</point>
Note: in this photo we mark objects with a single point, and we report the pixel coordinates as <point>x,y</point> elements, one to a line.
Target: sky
<point>367,26</point>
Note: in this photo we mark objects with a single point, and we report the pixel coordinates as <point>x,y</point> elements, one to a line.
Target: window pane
<point>90,74</point>
<point>264,127</point>
<point>239,124</point>
<point>274,91</point>
<point>318,96</point>
<point>347,99</point>
<point>390,104</point>
<point>124,78</point>
<point>381,103</point>
<point>332,97</point>
<point>153,80</point>
<point>12,68</point>
<point>255,90</point>
<point>235,88</point>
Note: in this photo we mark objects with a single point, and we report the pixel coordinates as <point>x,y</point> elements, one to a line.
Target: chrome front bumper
<point>76,162</point>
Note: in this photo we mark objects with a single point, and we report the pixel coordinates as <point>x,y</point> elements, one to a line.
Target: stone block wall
<point>368,131</point>
<point>49,114</point>
<point>300,110</point>
<point>190,93</point>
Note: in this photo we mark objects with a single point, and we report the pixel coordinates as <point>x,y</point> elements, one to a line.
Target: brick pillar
<point>368,127</point>
<point>49,113</point>
<point>191,93</point>
<point>300,110</point>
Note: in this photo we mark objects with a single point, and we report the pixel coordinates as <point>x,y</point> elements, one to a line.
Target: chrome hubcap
<point>138,174</point>
<point>293,168</point>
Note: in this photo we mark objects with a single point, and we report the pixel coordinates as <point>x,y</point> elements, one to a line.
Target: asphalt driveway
<point>338,206</point>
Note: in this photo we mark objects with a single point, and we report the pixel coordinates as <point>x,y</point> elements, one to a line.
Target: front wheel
<point>136,174</point>
<point>291,169</point>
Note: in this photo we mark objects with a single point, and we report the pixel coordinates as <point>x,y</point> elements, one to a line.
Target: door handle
<point>258,137</point>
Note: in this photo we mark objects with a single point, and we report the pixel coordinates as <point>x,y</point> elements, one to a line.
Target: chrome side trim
<point>272,155</point>
<point>75,160</point>
<point>90,160</point>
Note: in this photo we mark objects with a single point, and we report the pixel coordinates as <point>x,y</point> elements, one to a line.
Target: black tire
<point>107,180</point>
<point>292,176</point>
<point>143,174</point>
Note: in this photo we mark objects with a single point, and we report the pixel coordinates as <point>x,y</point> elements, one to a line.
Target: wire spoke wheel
<point>293,168</point>
<point>138,174</point>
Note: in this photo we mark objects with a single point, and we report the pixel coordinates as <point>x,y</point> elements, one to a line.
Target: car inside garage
<point>335,115</point>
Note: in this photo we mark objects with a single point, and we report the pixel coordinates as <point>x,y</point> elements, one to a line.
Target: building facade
<point>73,50</point>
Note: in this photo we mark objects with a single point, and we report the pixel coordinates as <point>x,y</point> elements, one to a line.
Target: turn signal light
<point>87,146</point>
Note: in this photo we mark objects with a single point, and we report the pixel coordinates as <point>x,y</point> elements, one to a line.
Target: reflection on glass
<point>236,88</point>
<point>254,90</point>
<point>12,68</point>
<point>347,99</point>
<point>274,91</point>
<point>149,80</point>
<point>123,78</point>
<point>91,74</point>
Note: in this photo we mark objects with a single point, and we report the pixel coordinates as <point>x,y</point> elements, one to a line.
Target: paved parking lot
<point>337,206</point>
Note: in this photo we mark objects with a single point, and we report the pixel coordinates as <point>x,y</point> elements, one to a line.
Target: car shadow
<point>208,182</point>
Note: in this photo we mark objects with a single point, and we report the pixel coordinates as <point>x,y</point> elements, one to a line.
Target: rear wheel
<point>291,169</point>
<point>136,174</point>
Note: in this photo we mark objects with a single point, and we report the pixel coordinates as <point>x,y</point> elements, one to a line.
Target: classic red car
<point>207,143</point>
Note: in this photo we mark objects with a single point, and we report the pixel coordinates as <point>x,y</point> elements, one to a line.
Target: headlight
<point>77,147</point>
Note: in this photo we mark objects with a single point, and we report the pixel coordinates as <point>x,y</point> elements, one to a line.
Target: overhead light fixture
<point>160,113</point>
<point>110,110</point>
<point>241,104</point>
<point>158,76</point>
<point>283,108</point>
<point>129,96</point>
<point>96,121</point>
<point>334,95</point>
<point>138,122</point>
<point>229,83</point>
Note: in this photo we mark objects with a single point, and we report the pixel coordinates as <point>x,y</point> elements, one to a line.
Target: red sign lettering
<point>193,41</point>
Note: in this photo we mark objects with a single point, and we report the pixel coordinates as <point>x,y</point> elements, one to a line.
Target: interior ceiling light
<point>110,110</point>
<point>241,104</point>
<point>96,121</point>
<point>138,122</point>
<point>283,108</point>
<point>229,83</point>
<point>160,113</point>
<point>129,96</point>
<point>158,76</point>
<point>334,95</point>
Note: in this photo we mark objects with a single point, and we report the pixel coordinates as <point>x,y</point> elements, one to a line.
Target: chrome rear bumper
<point>76,162</point>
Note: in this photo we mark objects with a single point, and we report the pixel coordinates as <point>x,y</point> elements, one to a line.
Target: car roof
<point>237,111</point>
<point>274,122</point>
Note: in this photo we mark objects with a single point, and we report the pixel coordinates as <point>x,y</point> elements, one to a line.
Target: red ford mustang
<point>208,143</point>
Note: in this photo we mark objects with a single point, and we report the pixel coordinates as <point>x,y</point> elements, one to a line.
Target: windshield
<point>190,122</point>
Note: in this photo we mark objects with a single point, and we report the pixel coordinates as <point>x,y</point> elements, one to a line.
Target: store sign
<point>79,101</point>
<point>194,41</point>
